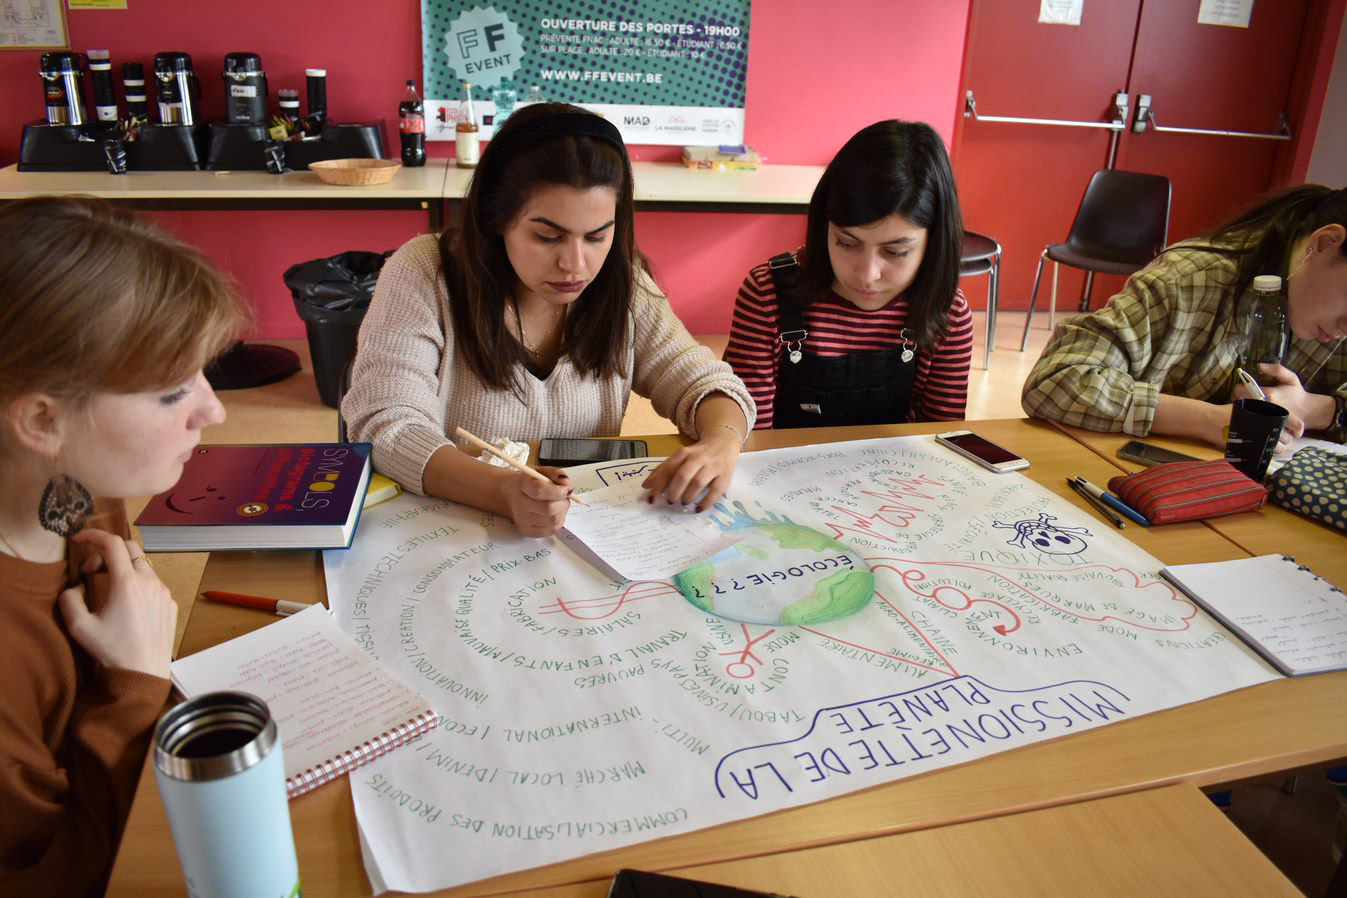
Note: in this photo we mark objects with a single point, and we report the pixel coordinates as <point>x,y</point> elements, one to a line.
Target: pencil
<point>483,444</point>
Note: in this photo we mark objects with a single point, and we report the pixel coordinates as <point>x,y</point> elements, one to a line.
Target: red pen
<point>275,606</point>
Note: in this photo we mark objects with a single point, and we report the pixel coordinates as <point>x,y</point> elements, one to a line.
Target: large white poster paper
<point>580,713</point>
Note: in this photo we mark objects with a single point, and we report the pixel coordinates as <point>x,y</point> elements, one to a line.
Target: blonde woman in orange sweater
<point>105,324</point>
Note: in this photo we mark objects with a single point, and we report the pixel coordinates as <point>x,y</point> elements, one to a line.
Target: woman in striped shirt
<point>865,323</point>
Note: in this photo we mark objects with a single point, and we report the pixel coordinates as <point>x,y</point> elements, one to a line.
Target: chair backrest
<point>1123,217</point>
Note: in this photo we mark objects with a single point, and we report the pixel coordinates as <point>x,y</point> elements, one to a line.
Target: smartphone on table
<point>640,884</point>
<point>1146,454</point>
<point>982,451</point>
<point>567,452</point>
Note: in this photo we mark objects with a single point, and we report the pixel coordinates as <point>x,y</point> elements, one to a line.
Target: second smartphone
<point>564,453</point>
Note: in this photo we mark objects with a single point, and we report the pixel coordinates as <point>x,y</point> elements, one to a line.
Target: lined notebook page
<point>1293,618</point>
<point>328,698</point>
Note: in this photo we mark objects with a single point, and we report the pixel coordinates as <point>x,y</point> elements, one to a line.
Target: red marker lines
<point>599,607</point>
<point>744,655</point>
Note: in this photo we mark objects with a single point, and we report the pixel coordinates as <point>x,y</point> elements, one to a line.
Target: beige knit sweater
<point>409,387</point>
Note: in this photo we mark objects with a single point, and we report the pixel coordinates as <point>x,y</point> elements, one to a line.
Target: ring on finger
<point>142,559</point>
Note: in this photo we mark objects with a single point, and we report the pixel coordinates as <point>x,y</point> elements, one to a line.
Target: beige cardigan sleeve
<point>673,370</point>
<point>398,383</point>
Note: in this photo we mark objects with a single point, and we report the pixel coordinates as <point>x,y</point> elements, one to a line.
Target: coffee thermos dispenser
<point>177,88</point>
<point>245,86</point>
<point>62,81</point>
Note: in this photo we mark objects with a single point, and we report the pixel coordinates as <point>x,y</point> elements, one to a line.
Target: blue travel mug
<point>218,764</point>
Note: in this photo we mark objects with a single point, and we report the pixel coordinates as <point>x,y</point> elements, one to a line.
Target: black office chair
<point>982,255</point>
<point>1122,223</point>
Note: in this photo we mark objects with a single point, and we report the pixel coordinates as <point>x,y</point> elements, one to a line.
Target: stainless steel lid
<point>213,736</point>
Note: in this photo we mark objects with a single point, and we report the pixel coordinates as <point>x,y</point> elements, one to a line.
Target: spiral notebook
<point>1294,618</point>
<point>334,706</point>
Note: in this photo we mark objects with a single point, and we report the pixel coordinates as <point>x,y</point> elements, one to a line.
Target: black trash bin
<point>332,295</point>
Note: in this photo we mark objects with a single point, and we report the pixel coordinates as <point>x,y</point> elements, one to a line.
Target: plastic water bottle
<point>412,126</point>
<point>533,96</point>
<point>1265,333</point>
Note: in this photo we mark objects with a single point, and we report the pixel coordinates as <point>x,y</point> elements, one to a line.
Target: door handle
<point>1119,123</point>
<point>1146,117</point>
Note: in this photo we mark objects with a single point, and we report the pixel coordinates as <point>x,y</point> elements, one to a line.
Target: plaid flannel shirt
<point>1173,329</point>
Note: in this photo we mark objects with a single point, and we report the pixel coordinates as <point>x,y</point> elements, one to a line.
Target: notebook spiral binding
<point>360,755</point>
<point>1306,569</point>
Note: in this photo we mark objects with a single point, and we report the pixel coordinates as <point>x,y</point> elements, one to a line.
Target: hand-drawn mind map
<point>891,610</point>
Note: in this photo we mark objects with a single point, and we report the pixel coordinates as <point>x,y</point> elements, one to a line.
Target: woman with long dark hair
<point>1159,358</point>
<point>865,323</point>
<point>536,317</point>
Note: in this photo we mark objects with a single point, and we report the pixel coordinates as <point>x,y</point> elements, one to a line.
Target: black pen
<point>1109,514</point>
<point>1113,502</point>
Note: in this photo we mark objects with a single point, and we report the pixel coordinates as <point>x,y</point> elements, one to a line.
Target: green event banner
<point>666,72</point>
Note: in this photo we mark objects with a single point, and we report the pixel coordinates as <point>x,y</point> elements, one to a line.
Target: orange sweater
<point>73,734</point>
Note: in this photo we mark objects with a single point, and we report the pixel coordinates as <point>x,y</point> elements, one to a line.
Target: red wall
<point>814,78</point>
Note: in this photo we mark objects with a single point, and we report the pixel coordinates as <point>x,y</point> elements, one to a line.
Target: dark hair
<point>1260,237</point>
<point>540,145</point>
<point>891,166</point>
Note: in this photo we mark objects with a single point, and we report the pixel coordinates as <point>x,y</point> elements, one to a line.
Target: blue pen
<point>1114,502</point>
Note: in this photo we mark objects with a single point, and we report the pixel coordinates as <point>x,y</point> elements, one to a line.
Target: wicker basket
<point>355,172</point>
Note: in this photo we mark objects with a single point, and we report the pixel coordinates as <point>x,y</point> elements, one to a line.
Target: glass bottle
<point>466,145</point>
<point>412,126</point>
<point>1265,332</point>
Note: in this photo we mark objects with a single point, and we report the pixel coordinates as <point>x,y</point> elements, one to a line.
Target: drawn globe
<point>781,574</point>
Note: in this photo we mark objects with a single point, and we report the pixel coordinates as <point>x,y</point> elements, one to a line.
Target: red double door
<point>1021,183</point>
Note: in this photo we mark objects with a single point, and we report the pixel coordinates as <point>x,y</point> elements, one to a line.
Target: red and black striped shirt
<point>837,327</point>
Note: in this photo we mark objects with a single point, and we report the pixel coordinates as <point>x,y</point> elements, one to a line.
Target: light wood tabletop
<point>1281,725</point>
<point>1272,530</point>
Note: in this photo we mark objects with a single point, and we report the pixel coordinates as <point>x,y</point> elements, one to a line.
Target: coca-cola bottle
<point>412,126</point>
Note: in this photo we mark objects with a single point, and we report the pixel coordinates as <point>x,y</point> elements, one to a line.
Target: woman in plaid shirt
<point>1159,358</point>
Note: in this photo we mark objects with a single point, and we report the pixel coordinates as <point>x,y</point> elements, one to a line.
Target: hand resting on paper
<point>701,470</point>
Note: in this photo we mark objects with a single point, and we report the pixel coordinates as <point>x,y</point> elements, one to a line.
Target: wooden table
<point>1278,726</point>
<point>1166,841</point>
<point>659,186</point>
<point>1268,531</point>
<point>411,188</point>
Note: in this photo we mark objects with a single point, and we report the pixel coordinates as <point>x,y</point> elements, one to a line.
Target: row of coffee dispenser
<point>175,87</point>
<point>161,124</point>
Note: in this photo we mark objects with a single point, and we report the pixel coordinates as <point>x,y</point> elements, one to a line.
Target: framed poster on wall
<point>665,72</point>
<point>33,25</point>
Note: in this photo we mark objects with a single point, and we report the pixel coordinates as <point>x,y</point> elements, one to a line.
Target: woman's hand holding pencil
<point>537,498</point>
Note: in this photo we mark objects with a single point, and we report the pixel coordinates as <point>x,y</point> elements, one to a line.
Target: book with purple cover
<point>274,496</point>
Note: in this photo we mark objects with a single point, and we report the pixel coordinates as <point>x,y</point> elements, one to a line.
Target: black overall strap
<point>786,277</point>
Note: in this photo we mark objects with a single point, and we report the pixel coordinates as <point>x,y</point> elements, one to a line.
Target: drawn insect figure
<point>1046,536</point>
